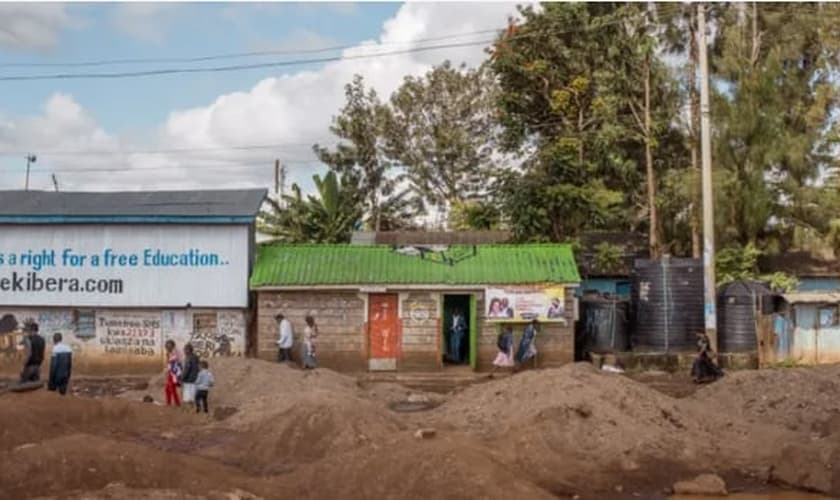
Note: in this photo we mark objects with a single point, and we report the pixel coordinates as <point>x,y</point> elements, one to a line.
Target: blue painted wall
<point>620,287</point>
<point>819,284</point>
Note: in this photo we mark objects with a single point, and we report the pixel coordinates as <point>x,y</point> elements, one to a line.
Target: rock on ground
<point>704,484</point>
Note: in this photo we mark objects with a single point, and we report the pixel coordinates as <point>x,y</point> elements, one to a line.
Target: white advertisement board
<point>124,265</point>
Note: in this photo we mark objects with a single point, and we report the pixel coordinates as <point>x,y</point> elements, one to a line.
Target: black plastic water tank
<point>738,303</point>
<point>605,324</point>
<point>667,304</point>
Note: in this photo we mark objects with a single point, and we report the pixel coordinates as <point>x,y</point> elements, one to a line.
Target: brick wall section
<point>420,318</point>
<point>342,341</point>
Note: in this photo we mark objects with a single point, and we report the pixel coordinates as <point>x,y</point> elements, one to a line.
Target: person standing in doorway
<point>189,374</point>
<point>285,339</point>
<point>173,372</point>
<point>456,336</point>
<point>61,365</point>
<point>33,357</point>
<point>310,334</point>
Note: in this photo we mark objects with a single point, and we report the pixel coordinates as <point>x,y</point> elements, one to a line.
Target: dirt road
<point>560,433</point>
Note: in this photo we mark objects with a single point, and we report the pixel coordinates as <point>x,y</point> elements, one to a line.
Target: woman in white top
<point>310,333</point>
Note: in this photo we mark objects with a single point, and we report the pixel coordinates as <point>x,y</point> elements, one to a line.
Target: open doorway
<point>458,333</point>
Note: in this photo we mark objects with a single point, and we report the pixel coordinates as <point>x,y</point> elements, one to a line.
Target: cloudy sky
<point>202,130</point>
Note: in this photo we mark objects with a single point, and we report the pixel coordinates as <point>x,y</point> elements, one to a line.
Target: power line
<point>86,152</point>
<point>235,67</point>
<point>236,55</point>
<point>295,62</point>
<point>47,170</point>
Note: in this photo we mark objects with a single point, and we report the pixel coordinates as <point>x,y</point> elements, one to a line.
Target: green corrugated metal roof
<point>296,265</point>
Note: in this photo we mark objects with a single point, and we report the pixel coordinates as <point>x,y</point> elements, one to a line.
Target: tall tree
<point>361,158</point>
<point>775,128</point>
<point>442,132</point>
<point>647,98</point>
<point>679,37</point>
<point>557,104</point>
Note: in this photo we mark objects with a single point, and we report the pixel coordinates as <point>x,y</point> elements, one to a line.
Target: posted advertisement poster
<point>524,303</point>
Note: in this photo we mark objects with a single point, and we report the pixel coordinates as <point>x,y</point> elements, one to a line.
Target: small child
<point>203,383</point>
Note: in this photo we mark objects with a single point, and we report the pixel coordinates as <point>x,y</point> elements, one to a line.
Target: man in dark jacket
<point>34,354</point>
<point>61,365</point>
<point>189,374</point>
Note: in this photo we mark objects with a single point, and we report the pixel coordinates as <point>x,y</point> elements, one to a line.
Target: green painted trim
<point>473,331</point>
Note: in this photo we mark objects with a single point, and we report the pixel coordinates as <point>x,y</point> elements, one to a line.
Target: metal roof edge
<point>397,286</point>
<point>125,219</point>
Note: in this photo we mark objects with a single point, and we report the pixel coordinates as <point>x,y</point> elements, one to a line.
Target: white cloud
<point>33,25</point>
<point>144,21</point>
<point>292,110</point>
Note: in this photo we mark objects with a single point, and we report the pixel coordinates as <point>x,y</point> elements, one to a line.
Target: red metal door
<point>383,325</point>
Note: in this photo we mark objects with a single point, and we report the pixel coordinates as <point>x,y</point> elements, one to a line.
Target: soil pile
<point>118,491</point>
<point>575,424</point>
<point>445,467</point>
<point>86,461</point>
<point>40,415</point>
<point>280,417</point>
<point>800,399</point>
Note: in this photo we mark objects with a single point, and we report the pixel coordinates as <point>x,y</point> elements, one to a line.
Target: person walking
<point>285,338</point>
<point>310,334</point>
<point>173,373</point>
<point>33,357</point>
<point>189,374</point>
<point>527,345</point>
<point>504,358</point>
<point>61,365</point>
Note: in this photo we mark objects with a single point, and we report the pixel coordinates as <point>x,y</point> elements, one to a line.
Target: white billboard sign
<point>124,265</point>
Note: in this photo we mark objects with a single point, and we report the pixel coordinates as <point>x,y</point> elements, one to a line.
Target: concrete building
<point>120,273</point>
<point>382,307</point>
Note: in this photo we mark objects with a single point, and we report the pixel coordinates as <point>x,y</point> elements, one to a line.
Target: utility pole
<point>277,178</point>
<point>55,182</point>
<point>30,159</point>
<point>708,200</point>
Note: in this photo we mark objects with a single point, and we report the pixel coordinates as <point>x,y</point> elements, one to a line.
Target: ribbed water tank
<point>605,323</point>
<point>667,304</point>
<point>738,303</point>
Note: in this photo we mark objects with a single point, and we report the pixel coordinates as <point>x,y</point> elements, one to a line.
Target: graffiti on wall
<point>231,333</point>
<point>11,332</point>
<point>130,333</point>
<point>420,307</point>
<point>218,334</point>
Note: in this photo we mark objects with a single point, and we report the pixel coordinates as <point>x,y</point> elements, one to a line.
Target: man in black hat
<point>34,354</point>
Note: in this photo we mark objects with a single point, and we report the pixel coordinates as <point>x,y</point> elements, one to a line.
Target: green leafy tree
<point>555,100</point>
<point>775,129</point>
<point>328,217</point>
<point>361,159</point>
<point>442,132</point>
<point>474,216</point>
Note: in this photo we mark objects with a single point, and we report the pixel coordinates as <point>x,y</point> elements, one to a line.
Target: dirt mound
<point>118,491</point>
<point>800,399</point>
<point>445,467</point>
<point>35,416</point>
<point>304,429</point>
<point>91,462</point>
<point>576,424</point>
